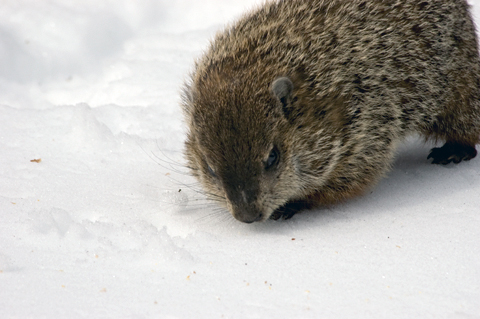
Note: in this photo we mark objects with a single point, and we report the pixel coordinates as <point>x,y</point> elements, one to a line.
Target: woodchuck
<point>302,103</point>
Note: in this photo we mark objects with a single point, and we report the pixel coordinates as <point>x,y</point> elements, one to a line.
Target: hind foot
<point>452,152</point>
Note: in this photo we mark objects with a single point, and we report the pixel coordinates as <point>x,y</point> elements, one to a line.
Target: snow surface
<point>106,224</point>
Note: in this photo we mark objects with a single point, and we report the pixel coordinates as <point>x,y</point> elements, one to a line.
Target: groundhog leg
<point>452,152</point>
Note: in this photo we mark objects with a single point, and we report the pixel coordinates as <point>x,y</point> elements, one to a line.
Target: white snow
<point>106,224</point>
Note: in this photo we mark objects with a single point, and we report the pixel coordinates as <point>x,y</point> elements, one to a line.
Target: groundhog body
<point>302,102</point>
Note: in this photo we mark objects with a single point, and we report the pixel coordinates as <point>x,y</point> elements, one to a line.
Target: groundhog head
<point>238,145</point>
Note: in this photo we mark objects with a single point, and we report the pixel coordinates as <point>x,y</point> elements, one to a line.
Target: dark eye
<point>272,159</point>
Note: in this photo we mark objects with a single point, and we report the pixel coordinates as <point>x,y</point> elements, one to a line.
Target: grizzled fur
<point>302,102</point>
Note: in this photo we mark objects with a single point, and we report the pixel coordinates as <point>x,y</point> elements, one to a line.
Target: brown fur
<point>354,78</point>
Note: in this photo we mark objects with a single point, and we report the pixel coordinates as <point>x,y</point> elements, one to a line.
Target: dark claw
<point>452,152</point>
<point>276,215</point>
<point>282,214</point>
<point>288,210</point>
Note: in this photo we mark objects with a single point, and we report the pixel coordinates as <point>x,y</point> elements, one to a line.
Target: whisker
<point>169,165</point>
<point>197,199</point>
<point>216,216</point>
<point>173,151</point>
<point>199,190</point>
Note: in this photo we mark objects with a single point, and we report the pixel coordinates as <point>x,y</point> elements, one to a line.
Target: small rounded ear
<point>282,89</point>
